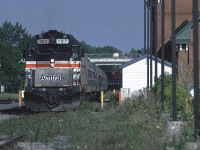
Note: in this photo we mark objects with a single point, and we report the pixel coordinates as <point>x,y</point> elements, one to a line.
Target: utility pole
<point>155,36</point>
<point>148,47</point>
<point>151,43</point>
<point>145,43</point>
<point>162,55</point>
<point>196,68</point>
<point>174,63</point>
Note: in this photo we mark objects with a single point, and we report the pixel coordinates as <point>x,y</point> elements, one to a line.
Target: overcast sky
<point>117,23</point>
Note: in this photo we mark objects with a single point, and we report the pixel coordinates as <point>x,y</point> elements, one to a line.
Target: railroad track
<point>10,105</point>
<point>8,101</point>
<point>11,142</point>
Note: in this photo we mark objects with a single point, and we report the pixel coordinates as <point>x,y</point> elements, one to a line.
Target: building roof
<point>143,57</point>
<point>183,34</point>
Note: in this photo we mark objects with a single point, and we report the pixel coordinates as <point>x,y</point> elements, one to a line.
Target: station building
<point>184,39</point>
<point>134,73</point>
<point>184,47</point>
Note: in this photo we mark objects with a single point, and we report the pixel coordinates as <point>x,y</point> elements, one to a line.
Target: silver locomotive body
<point>52,89</point>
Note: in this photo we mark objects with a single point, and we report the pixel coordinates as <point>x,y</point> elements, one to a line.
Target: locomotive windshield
<point>57,49</point>
<point>58,52</point>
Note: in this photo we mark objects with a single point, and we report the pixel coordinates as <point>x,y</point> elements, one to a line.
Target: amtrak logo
<point>51,78</point>
<point>52,65</point>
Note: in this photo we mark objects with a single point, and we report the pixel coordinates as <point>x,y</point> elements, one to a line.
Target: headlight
<point>61,89</point>
<point>52,60</point>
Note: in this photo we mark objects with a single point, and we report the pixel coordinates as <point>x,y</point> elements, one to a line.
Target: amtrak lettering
<point>51,77</point>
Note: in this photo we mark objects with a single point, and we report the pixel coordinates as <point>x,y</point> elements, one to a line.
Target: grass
<point>9,96</point>
<point>133,125</point>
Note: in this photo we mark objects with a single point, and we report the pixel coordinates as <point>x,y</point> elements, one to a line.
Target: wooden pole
<point>20,98</point>
<point>101,99</point>
<point>120,98</point>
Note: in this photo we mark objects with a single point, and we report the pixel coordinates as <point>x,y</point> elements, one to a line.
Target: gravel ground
<point>58,142</point>
<point>32,146</point>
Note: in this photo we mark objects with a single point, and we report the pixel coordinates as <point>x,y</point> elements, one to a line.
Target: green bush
<point>181,94</point>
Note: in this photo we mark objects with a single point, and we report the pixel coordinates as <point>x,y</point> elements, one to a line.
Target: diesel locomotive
<point>58,76</point>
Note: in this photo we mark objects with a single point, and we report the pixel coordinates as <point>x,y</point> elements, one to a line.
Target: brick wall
<point>185,58</point>
<point>183,12</point>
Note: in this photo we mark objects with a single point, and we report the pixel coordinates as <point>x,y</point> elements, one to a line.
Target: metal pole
<point>196,67</point>
<point>155,38</point>
<point>174,116</point>
<point>151,43</point>
<point>145,47</point>
<point>147,7</point>
<point>162,55</point>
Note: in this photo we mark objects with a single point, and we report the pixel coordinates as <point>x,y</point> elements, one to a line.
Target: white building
<point>134,72</point>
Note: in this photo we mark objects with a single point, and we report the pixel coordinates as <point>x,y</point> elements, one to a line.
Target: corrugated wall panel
<point>134,76</point>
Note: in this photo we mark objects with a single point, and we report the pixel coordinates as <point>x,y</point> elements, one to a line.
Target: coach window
<point>89,73</point>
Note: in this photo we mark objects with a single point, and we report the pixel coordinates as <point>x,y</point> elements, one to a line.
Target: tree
<point>88,48</point>
<point>134,52</point>
<point>137,52</point>
<point>15,35</point>
<point>12,41</point>
<point>99,50</point>
<point>107,50</point>
<point>11,72</point>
